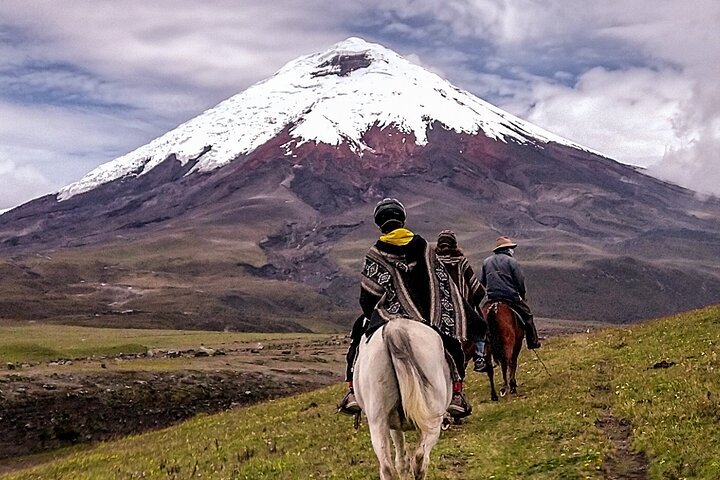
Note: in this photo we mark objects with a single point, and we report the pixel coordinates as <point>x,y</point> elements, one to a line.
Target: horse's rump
<point>402,370</point>
<point>506,336</point>
<point>419,368</point>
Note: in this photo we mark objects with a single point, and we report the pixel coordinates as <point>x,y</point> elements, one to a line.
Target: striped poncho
<point>408,280</point>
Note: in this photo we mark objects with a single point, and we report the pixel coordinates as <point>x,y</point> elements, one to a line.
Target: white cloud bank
<point>646,92</point>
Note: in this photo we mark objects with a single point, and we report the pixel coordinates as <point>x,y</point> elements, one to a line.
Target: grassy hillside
<point>614,404</point>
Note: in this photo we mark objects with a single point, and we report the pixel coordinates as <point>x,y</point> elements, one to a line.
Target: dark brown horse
<point>506,336</point>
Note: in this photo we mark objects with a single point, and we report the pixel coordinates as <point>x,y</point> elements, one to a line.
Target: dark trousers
<point>358,329</point>
<point>476,326</point>
<point>453,348</point>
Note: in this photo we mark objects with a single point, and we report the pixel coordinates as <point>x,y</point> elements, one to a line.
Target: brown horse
<point>506,336</point>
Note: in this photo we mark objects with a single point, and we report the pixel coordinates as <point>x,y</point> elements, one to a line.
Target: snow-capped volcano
<point>330,97</point>
<point>305,155</point>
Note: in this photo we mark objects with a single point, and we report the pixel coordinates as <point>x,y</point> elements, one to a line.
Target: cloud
<point>101,78</point>
<point>636,80</point>
<point>43,148</point>
<point>626,114</point>
<point>20,182</point>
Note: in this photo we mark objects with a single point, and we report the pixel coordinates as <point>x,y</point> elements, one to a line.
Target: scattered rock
<point>663,364</point>
<point>204,352</point>
<point>10,366</point>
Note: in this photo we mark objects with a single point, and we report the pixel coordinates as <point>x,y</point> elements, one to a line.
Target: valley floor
<point>53,397</point>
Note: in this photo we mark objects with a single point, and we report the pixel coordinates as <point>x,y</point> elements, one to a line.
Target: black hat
<point>447,237</point>
<point>389,209</point>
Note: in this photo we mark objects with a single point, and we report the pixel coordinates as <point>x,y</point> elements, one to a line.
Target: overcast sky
<point>83,82</point>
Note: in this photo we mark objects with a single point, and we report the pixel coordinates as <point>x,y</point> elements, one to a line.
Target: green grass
<point>37,342</point>
<point>549,431</point>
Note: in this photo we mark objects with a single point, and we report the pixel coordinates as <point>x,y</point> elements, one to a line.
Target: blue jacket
<point>502,277</point>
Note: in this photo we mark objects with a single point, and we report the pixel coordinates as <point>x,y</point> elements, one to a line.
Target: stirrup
<point>481,366</point>
<point>347,406</point>
<point>462,410</point>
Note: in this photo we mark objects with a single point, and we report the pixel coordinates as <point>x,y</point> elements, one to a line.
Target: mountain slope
<point>262,207</point>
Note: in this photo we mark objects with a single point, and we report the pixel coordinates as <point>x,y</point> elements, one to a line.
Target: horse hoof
<point>503,392</point>
<point>457,421</point>
<point>494,398</point>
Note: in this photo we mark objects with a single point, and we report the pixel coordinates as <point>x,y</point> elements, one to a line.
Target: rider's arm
<point>368,301</point>
<point>477,291</point>
<point>519,278</point>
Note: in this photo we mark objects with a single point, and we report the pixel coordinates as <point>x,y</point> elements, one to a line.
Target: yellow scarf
<point>399,236</point>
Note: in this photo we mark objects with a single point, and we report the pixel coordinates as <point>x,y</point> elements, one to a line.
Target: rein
<point>542,363</point>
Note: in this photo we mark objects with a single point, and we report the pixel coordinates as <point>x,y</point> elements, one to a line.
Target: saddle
<point>494,304</point>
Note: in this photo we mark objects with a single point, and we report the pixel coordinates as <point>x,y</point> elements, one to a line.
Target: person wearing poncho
<point>402,276</point>
<point>471,290</point>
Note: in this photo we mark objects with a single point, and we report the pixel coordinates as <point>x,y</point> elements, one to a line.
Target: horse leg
<point>491,377</point>
<point>427,441</point>
<point>513,369</point>
<point>380,438</point>
<point>504,388</point>
<point>402,460</point>
<point>514,365</point>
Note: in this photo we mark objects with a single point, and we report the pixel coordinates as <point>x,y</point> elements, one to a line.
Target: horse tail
<point>491,319</point>
<point>412,381</point>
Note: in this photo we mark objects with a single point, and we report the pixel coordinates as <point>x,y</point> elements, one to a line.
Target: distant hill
<point>256,214</point>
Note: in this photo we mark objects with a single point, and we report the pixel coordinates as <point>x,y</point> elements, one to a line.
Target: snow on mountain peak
<point>330,97</point>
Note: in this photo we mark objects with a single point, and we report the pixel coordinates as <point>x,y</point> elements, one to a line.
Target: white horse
<point>401,381</point>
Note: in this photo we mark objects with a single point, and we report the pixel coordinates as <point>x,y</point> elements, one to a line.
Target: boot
<point>531,336</point>
<point>459,406</point>
<point>349,404</point>
<point>481,365</point>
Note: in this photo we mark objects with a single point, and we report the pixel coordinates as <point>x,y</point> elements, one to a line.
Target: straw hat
<point>503,242</point>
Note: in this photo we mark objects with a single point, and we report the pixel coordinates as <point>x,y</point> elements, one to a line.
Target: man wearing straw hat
<point>503,280</point>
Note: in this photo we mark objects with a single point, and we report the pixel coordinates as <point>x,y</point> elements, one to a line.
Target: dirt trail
<point>622,463</point>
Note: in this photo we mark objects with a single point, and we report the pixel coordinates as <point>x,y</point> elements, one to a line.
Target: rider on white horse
<point>402,276</point>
